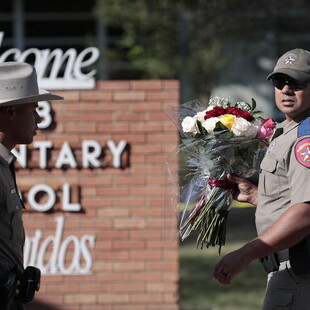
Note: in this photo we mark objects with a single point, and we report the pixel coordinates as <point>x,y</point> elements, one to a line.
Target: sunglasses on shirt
<point>280,81</point>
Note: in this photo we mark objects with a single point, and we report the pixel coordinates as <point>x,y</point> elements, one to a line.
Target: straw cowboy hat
<point>19,85</point>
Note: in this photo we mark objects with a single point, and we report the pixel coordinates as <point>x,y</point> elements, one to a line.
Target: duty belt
<point>272,262</point>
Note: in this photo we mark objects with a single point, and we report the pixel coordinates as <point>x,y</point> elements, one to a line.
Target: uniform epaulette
<point>304,128</point>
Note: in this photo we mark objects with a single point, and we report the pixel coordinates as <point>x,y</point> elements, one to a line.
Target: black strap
<point>12,169</point>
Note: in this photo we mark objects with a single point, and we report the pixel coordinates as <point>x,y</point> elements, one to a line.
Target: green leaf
<point>257,114</point>
<point>220,127</point>
<point>253,104</point>
<point>200,128</point>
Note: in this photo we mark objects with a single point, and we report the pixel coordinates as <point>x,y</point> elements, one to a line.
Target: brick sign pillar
<point>94,184</point>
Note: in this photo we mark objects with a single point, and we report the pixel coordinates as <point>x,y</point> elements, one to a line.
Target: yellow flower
<point>228,120</point>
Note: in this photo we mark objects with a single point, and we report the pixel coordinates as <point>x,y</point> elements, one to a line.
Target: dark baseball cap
<point>294,63</point>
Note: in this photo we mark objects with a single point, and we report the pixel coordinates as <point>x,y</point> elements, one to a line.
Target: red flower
<point>233,111</point>
<point>216,111</point>
<point>269,123</point>
<point>240,113</point>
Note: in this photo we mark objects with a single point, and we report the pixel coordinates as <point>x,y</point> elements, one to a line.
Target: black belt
<point>272,262</point>
<point>283,256</point>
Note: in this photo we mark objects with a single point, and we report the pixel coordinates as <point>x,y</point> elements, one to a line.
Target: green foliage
<point>253,106</point>
<point>148,32</point>
<point>185,39</point>
<point>198,291</point>
<point>165,39</point>
<point>220,127</point>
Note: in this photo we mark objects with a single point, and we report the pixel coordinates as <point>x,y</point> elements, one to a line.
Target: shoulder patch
<point>302,152</point>
<point>304,128</point>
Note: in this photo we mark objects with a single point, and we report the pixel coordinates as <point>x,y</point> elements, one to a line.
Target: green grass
<point>198,291</point>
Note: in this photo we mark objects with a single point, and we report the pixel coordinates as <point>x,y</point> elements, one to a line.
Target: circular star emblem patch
<point>290,59</point>
<point>302,152</point>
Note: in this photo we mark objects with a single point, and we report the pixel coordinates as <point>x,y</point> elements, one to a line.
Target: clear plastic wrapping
<point>216,140</point>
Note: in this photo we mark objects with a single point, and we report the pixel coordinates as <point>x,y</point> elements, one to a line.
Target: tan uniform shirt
<point>11,225</point>
<point>283,181</point>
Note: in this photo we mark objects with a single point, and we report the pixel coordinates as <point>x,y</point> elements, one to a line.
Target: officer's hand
<point>245,190</point>
<point>229,266</point>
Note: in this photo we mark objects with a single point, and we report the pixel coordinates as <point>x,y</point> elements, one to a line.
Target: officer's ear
<point>5,117</point>
<point>3,110</point>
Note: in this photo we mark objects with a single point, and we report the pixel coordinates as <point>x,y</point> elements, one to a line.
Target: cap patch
<point>290,59</point>
<point>302,152</point>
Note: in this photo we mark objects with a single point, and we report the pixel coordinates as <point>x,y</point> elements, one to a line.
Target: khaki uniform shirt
<point>283,181</point>
<point>11,225</point>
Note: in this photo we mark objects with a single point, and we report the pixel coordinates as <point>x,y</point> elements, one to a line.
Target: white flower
<point>200,116</point>
<point>189,124</point>
<point>210,107</point>
<point>244,106</point>
<point>210,123</point>
<point>218,102</point>
<point>244,128</point>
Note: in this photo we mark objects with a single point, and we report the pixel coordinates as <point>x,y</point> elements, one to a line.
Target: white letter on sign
<point>66,157</point>
<point>67,206</point>
<point>90,157</point>
<point>21,156</point>
<point>49,204</point>
<point>44,110</point>
<point>117,152</point>
<point>43,146</point>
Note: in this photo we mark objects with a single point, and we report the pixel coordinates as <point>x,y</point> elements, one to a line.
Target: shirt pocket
<point>14,208</point>
<point>268,179</point>
<point>283,299</point>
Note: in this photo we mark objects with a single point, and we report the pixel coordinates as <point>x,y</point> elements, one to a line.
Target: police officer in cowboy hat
<point>282,196</point>
<point>19,96</point>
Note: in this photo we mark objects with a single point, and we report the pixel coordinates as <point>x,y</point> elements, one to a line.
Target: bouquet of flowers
<point>220,139</point>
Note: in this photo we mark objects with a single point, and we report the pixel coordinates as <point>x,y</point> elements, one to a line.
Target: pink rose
<point>266,131</point>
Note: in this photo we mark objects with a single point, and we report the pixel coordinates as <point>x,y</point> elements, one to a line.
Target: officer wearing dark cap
<point>282,196</point>
<point>19,96</point>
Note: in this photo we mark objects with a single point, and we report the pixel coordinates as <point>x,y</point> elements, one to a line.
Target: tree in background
<point>186,39</point>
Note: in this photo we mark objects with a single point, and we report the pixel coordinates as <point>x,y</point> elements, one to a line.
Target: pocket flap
<point>283,298</point>
<point>13,202</point>
<point>269,164</point>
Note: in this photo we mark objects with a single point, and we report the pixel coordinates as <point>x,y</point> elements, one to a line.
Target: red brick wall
<point>134,265</point>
